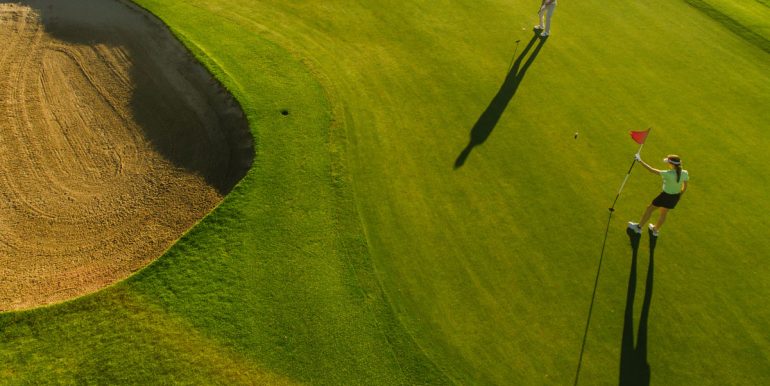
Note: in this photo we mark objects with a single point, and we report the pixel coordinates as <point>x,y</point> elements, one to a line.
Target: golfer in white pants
<point>546,10</point>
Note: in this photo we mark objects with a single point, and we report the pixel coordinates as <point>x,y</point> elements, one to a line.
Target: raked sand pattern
<point>113,142</point>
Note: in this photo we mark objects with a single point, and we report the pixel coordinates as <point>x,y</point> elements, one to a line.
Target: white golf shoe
<point>634,226</point>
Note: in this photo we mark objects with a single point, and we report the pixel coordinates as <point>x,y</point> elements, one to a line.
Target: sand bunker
<point>113,142</point>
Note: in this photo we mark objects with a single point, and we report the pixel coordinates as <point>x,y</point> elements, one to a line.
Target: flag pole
<point>612,208</point>
<point>601,257</point>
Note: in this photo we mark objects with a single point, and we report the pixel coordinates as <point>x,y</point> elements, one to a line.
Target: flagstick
<point>612,208</point>
<point>601,259</point>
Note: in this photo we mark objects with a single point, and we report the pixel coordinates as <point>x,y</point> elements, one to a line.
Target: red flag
<point>639,136</point>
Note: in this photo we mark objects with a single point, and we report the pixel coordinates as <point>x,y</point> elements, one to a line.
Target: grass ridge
<point>731,24</point>
<point>362,268</point>
<point>338,136</point>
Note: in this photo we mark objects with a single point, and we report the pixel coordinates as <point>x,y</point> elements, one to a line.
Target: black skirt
<point>666,200</point>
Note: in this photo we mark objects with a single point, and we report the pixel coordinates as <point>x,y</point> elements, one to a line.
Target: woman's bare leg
<point>661,219</point>
<point>647,214</point>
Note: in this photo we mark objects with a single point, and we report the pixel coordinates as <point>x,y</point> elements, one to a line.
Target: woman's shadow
<point>634,368</point>
<point>489,118</point>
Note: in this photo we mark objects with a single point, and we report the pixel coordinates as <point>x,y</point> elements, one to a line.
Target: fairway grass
<point>358,251</point>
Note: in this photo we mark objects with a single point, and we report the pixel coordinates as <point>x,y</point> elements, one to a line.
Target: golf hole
<point>284,112</point>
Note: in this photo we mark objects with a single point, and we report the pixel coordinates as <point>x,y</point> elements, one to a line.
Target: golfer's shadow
<point>489,118</point>
<point>634,368</point>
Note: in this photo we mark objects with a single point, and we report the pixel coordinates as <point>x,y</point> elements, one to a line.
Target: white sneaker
<point>653,230</point>
<point>634,226</point>
<point>544,34</point>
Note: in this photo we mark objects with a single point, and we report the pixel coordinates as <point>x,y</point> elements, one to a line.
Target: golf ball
<point>576,134</point>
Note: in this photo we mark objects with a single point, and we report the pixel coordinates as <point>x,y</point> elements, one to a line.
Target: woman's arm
<point>684,187</point>
<point>646,166</point>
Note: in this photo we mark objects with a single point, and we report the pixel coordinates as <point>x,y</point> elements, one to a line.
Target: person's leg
<point>549,13</point>
<point>540,16</point>
<point>647,214</point>
<point>661,219</point>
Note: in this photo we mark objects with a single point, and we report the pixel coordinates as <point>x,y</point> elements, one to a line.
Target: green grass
<point>354,252</point>
<point>274,286</point>
<point>748,19</point>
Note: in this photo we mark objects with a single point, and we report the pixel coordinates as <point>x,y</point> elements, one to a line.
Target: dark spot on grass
<point>284,112</point>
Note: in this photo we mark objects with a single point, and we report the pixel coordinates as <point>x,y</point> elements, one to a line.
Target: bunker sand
<point>113,142</point>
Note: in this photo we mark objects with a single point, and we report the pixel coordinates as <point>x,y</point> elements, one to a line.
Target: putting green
<point>371,244</point>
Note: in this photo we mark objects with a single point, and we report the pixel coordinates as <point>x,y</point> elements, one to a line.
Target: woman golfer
<point>674,186</point>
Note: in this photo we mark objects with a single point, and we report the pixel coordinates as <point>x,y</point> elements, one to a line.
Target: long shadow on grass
<point>593,299</point>
<point>634,368</point>
<point>489,118</point>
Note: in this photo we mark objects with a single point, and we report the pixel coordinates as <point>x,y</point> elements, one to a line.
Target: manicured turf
<point>371,244</point>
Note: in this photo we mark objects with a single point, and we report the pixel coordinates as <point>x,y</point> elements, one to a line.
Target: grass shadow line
<point>593,299</point>
<point>736,27</point>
